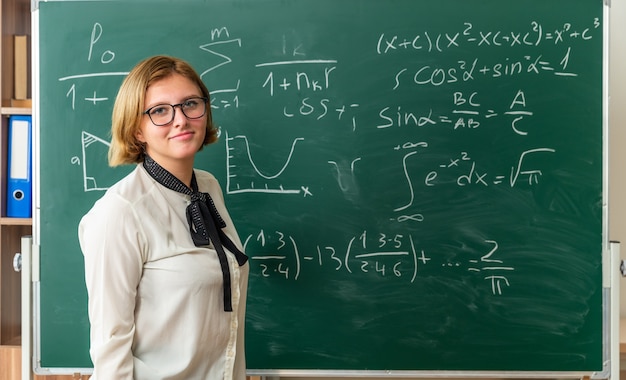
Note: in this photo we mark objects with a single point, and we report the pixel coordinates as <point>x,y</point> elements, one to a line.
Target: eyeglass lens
<point>163,114</point>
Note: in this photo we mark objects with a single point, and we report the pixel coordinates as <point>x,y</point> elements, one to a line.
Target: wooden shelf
<point>15,19</point>
<point>4,221</point>
<point>7,111</point>
<point>10,357</point>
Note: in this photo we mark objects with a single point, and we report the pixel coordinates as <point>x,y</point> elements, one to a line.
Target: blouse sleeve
<point>111,239</point>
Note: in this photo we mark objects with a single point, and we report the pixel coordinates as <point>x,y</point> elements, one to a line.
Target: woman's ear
<point>139,136</point>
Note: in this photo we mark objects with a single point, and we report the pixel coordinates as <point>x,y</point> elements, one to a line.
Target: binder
<point>19,167</point>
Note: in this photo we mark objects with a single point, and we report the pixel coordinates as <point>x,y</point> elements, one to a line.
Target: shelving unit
<point>15,19</point>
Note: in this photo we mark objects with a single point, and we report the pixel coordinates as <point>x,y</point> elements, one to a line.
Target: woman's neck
<point>181,169</point>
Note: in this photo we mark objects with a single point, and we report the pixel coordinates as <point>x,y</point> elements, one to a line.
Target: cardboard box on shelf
<point>20,67</point>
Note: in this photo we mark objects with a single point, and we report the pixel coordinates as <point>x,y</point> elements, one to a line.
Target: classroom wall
<point>617,141</point>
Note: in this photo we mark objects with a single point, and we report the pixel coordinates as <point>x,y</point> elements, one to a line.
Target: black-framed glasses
<point>163,114</point>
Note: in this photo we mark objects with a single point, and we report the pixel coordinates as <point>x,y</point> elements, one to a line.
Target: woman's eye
<point>191,103</point>
<point>158,110</point>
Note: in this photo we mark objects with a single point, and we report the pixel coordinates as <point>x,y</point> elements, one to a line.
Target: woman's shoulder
<point>127,190</point>
<point>205,178</point>
<point>204,175</point>
<point>207,183</point>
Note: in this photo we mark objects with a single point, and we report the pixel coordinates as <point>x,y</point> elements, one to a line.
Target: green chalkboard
<point>419,184</point>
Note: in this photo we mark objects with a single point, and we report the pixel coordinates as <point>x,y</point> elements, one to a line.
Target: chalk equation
<point>469,34</point>
<point>467,113</point>
<point>383,256</point>
<point>303,91</point>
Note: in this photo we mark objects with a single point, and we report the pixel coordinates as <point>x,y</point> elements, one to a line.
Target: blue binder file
<point>19,176</point>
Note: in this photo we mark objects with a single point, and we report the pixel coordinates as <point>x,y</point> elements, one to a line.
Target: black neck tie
<point>205,223</point>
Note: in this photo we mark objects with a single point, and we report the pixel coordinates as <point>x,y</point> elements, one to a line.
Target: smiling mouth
<point>184,134</point>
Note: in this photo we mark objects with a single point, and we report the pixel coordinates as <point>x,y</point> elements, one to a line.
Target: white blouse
<point>156,304</point>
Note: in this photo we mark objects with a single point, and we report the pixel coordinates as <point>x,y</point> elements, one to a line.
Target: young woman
<point>164,267</point>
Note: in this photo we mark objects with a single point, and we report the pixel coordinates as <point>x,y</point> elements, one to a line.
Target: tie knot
<point>198,196</point>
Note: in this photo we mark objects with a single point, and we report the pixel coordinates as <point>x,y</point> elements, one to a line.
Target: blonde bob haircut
<point>128,109</point>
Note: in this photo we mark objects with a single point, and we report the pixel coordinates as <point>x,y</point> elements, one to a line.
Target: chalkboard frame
<point>336,373</point>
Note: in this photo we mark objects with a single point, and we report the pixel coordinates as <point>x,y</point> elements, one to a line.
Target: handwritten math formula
<point>385,256</point>
<point>460,110</point>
